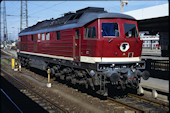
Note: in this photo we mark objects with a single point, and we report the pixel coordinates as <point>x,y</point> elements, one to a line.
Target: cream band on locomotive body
<point>90,59</point>
<point>108,59</point>
<point>47,55</point>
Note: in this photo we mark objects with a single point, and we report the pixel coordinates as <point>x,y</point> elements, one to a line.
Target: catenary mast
<point>24,15</point>
<point>5,32</point>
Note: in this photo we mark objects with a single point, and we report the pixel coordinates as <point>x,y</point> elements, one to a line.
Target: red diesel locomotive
<point>91,47</point>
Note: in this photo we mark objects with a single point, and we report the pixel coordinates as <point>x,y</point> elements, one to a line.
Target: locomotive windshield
<point>110,29</point>
<point>130,30</point>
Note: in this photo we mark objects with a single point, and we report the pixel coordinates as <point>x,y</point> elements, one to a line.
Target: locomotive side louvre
<point>95,49</point>
<point>58,47</point>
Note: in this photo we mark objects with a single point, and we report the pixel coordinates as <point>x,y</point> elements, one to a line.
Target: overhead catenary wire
<point>47,8</point>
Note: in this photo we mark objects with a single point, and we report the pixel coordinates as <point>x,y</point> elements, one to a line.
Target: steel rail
<point>127,105</point>
<point>61,109</point>
<point>161,103</point>
<point>11,101</point>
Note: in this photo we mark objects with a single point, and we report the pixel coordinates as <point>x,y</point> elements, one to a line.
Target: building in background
<point>150,41</point>
<point>155,20</point>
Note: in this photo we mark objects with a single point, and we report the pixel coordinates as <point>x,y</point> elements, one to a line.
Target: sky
<point>42,10</point>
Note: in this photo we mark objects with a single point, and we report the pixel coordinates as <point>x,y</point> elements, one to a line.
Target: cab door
<point>77,45</point>
<point>111,37</point>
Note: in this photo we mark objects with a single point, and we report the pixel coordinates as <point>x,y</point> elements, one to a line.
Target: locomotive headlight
<point>92,73</point>
<point>140,65</point>
<point>113,65</point>
<point>124,66</point>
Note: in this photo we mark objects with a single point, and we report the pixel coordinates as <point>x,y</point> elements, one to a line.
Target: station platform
<point>155,83</point>
<point>154,58</point>
<point>152,52</point>
<point>12,53</point>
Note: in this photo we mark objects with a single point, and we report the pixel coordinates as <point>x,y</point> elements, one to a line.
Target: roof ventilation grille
<point>91,9</point>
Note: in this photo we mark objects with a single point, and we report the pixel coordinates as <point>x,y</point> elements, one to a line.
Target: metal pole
<point>13,63</point>
<point>121,6</point>
<point>21,18</point>
<point>26,15</point>
<point>151,44</point>
<point>19,67</point>
<point>5,24</point>
<point>48,72</point>
<point>48,78</point>
<point>0,22</point>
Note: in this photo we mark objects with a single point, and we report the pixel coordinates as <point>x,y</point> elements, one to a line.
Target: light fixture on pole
<point>122,4</point>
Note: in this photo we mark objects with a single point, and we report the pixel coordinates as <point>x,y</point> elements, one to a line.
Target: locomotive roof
<point>72,20</point>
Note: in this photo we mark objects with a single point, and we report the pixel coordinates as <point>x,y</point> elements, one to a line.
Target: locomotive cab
<point>116,49</point>
<point>120,52</point>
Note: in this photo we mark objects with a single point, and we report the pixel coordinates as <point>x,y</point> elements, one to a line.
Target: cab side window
<point>32,37</point>
<point>90,32</point>
<point>130,30</point>
<point>94,32</point>
<point>47,36</point>
<point>77,34</point>
<point>58,35</point>
<point>43,36</point>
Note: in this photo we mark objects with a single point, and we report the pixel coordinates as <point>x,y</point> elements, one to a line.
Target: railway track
<point>135,109</point>
<point>141,104</point>
<point>47,104</point>
<point>156,102</point>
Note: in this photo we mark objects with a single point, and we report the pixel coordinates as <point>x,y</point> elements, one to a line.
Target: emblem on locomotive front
<point>124,46</point>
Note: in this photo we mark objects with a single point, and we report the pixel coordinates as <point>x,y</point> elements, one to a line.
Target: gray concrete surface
<point>159,84</point>
<point>154,58</point>
<point>153,52</point>
<point>12,53</point>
